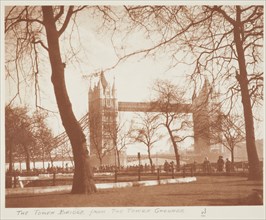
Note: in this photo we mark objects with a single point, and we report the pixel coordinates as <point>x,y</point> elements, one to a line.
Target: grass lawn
<point>206,191</point>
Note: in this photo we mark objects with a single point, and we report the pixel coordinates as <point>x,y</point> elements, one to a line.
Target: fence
<point>136,173</point>
<point>116,176</point>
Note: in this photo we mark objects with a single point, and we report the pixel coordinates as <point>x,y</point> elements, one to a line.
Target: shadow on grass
<point>102,191</point>
<point>250,200</point>
<point>38,195</point>
<point>183,194</point>
<point>241,183</point>
<point>247,184</point>
<point>229,181</point>
<point>222,202</point>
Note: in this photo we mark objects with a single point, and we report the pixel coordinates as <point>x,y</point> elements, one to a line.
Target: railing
<point>137,173</point>
<point>21,181</point>
<point>116,176</point>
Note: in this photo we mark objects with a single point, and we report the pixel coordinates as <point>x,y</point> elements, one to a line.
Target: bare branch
<point>61,12</point>
<point>67,19</point>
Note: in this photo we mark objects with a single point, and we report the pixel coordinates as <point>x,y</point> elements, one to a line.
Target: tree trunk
<point>101,161</point>
<point>177,157</point>
<point>20,169</point>
<point>255,171</point>
<point>118,158</point>
<point>27,155</point>
<point>43,159</point>
<point>27,160</point>
<point>149,155</point>
<point>83,182</point>
<point>232,160</point>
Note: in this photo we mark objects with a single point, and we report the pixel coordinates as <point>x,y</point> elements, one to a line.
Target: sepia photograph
<point>132,110</point>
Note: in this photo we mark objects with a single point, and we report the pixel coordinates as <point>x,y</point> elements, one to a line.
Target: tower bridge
<point>104,108</point>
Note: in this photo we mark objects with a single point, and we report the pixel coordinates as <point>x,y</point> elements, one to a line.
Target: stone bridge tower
<point>102,122</point>
<point>201,120</point>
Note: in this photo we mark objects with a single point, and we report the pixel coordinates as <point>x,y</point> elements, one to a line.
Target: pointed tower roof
<point>90,86</point>
<point>206,88</point>
<point>206,82</point>
<point>113,89</point>
<point>103,80</point>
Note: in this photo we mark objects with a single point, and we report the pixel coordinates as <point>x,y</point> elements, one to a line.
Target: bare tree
<point>83,177</point>
<point>19,135</point>
<point>44,139</point>
<point>11,118</point>
<point>123,139</point>
<point>231,132</point>
<point>146,131</point>
<point>37,27</point>
<point>175,119</point>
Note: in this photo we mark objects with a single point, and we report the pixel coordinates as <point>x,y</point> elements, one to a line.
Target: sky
<point>95,52</point>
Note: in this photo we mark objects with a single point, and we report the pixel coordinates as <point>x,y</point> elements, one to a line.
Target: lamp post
<point>115,158</point>
<point>139,166</point>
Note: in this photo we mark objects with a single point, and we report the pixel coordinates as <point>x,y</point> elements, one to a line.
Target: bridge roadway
<point>153,107</point>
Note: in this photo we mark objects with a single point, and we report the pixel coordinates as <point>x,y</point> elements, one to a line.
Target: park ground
<point>206,191</point>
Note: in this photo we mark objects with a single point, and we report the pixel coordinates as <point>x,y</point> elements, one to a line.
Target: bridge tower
<point>103,110</point>
<point>201,116</point>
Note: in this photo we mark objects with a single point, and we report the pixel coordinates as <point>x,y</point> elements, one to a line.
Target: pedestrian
<point>220,164</point>
<point>172,164</point>
<point>48,168</point>
<point>206,165</point>
<point>228,165</point>
<point>166,166</point>
<point>146,167</point>
<point>67,167</point>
